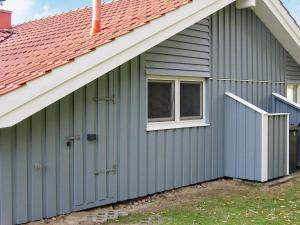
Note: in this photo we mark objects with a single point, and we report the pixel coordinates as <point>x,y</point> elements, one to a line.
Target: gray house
<point>158,95</point>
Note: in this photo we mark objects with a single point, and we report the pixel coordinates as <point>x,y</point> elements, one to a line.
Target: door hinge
<point>113,170</point>
<point>105,99</point>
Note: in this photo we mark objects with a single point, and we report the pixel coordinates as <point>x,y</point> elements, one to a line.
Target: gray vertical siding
<point>243,141</point>
<point>284,106</point>
<point>246,58</point>
<point>233,46</point>
<point>185,54</point>
<point>147,162</point>
<point>292,69</point>
<point>277,146</point>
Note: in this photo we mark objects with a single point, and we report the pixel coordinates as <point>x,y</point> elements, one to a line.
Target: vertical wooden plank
<point>178,157</point>
<point>51,146</point>
<point>79,156</point>
<point>151,162</point>
<point>160,159</point>
<point>114,89</point>
<point>241,140</point>
<point>37,138</point>
<point>21,173</point>
<point>280,136</point>
<point>226,29</point>
<point>276,147</point>
<point>271,149</point>
<point>169,175</point>
<point>221,46</point>
<point>123,145</point>
<point>66,129</point>
<point>194,155</point>
<point>142,129</point>
<point>133,134</point>
<point>6,168</point>
<point>250,144</point>
<point>102,137</point>
<point>201,154</point>
<point>90,146</point>
<point>186,152</point>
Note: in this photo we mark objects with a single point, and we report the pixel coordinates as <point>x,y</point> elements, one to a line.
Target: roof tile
<point>34,48</point>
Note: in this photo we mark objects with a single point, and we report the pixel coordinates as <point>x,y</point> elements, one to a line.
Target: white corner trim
<point>264,147</point>
<point>281,24</point>
<point>244,102</point>
<point>288,146</point>
<point>43,91</point>
<point>242,4</point>
<point>286,100</point>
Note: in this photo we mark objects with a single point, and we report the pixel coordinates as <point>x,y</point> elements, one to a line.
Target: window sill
<point>175,125</point>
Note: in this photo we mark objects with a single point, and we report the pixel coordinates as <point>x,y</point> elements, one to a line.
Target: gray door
<point>95,168</point>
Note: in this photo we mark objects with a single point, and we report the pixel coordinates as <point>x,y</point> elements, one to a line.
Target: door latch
<point>108,171</point>
<point>105,99</point>
<point>72,138</point>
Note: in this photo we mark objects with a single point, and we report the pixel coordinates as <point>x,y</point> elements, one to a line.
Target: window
<point>160,100</point>
<point>292,92</point>
<point>175,102</point>
<point>191,100</point>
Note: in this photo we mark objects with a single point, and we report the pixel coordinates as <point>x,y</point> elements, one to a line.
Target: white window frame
<point>177,123</point>
<point>297,84</point>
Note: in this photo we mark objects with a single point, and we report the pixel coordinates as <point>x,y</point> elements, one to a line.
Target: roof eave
<point>41,92</point>
<point>281,24</point>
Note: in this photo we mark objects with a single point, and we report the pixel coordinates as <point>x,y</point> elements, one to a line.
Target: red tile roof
<point>39,46</point>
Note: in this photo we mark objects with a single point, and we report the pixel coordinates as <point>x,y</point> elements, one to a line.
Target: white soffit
<point>281,24</point>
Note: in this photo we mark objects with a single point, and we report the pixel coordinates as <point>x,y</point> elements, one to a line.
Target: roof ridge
<point>49,16</point>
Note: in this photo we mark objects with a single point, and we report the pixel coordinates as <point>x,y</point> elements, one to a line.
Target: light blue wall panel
<point>277,154</point>
<point>242,130</point>
<point>185,54</point>
<point>292,69</point>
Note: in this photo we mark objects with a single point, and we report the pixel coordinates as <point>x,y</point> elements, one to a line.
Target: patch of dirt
<point>157,202</point>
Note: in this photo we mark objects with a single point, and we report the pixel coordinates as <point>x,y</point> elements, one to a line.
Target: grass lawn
<point>222,202</point>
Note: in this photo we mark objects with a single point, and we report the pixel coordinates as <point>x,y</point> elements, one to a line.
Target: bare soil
<point>157,202</point>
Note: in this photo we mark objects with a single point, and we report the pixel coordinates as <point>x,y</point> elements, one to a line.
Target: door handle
<point>72,138</point>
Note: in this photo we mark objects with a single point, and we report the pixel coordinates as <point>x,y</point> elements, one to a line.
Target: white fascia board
<point>264,147</point>
<point>43,91</point>
<point>288,146</point>
<point>242,4</point>
<point>281,24</point>
<point>287,101</point>
<point>248,104</point>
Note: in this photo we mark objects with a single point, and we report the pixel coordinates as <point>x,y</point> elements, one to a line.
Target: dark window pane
<point>190,100</point>
<point>160,100</point>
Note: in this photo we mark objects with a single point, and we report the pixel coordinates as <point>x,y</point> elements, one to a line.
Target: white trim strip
<point>288,146</point>
<point>264,147</point>
<point>285,100</point>
<point>243,4</point>
<point>248,104</point>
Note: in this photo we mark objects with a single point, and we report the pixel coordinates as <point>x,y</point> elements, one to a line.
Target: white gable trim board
<point>41,92</point>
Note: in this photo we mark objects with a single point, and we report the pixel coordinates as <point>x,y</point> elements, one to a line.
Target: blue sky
<point>24,10</point>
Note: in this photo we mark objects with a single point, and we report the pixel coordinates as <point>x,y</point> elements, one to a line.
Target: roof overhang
<point>41,92</point>
<point>281,24</point>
